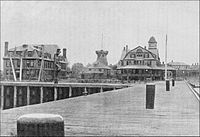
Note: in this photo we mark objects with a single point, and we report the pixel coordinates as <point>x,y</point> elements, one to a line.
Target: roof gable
<point>142,49</point>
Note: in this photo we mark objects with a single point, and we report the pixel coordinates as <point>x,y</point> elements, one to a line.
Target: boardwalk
<point>120,112</point>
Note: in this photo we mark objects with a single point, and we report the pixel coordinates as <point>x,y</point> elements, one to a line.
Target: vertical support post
<point>41,65</point>
<point>55,93</point>
<point>2,96</point>
<point>28,95</point>
<point>41,95</point>
<point>150,95</point>
<point>13,69</point>
<point>20,77</point>
<point>101,90</point>
<point>85,91</point>
<point>70,91</point>
<point>15,96</point>
<point>114,88</point>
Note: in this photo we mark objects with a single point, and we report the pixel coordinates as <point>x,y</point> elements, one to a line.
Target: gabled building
<point>141,63</point>
<point>99,69</point>
<point>31,61</point>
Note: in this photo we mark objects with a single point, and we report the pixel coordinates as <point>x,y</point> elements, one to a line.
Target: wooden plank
<point>121,112</point>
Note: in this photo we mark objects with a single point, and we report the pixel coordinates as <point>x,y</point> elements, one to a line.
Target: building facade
<point>99,69</point>
<point>184,70</point>
<point>32,62</point>
<point>141,63</point>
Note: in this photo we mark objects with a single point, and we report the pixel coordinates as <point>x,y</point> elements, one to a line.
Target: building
<point>99,69</point>
<point>32,62</point>
<point>184,70</point>
<point>141,63</point>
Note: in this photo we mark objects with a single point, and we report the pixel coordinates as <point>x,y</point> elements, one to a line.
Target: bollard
<point>167,85</point>
<point>150,95</point>
<point>40,125</point>
<point>173,82</point>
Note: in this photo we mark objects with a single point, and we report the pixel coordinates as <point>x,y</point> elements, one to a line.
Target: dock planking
<point>120,112</point>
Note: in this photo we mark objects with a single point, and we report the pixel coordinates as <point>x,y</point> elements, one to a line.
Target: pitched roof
<point>49,48</point>
<point>152,40</point>
<point>177,63</point>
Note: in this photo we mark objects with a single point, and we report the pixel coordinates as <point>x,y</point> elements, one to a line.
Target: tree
<point>77,69</point>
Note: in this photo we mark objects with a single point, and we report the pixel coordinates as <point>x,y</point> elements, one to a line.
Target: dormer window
<point>30,54</point>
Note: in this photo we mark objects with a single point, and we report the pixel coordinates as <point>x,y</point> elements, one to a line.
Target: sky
<point>78,26</point>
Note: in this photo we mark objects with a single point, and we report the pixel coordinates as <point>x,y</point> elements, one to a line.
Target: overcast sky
<point>78,26</point>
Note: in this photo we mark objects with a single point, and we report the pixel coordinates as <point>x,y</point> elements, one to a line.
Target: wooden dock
<point>120,112</point>
<point>17,94</point>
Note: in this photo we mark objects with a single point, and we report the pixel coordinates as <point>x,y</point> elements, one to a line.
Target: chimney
<point>64,52</point>
<point>126,48</point>
<point>145,47</point>
<point>6,49</point>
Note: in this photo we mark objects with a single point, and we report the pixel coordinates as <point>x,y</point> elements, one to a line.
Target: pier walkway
<point>120,112</point>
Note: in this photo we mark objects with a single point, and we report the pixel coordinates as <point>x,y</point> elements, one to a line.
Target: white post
<point>41,65</point>
<point>13,70</point>
<point>101,90</point>
<point>166,59</point>
<point>15,96</point>
<point>20,77</point>
<point>70,91</point>
<point>55,93</point>
<point>41,95</point>
<point>2,96</point>
<point>28,95</point>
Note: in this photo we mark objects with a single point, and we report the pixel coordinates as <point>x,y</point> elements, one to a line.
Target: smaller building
<point>184,70</point>
<point>99,69</point>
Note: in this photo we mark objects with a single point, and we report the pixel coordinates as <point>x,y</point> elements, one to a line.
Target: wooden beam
<point>20,76</point>
<point>13,70</point>
<point>41,66</point>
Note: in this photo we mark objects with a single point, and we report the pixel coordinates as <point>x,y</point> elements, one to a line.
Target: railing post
<point>15,96</point>
<point>70,91</point>
<point>55,93</point>
<point>41,95</point>
<point>2,96</point>
<point>28,95</point>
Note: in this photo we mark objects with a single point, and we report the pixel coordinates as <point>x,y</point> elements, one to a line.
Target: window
<point>28,63</point>
<point>18,63</point>
<point>30,54</point>
<point>32,63</point>
<point>7,72</point>
<point>7,63</point>
<point>132,55</point>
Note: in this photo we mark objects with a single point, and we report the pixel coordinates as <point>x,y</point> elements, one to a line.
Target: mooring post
<point>28,95</point>
<point>2,96</point>
<point>173,82</point>
<point>15,97</point>
<point>150,95</point>
<point>55,93</point>
<point>70,91</point>
<point>40,125</point>
<point>167,85</point>
<point>101,90</point>
<point>41,94</point>
<point>85,91</point>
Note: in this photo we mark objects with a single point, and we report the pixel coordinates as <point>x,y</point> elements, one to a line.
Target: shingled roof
<point>48,48</point>
<point>152,40</point>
